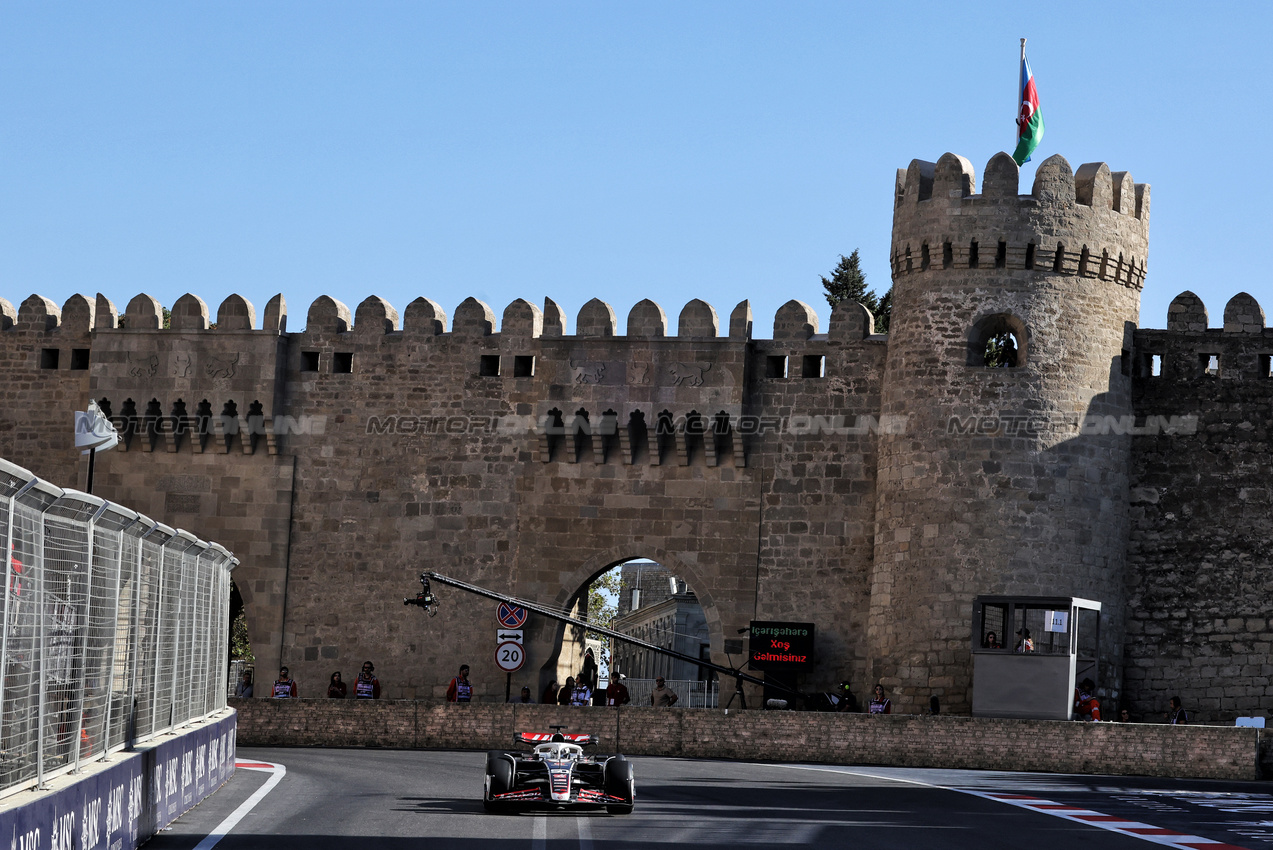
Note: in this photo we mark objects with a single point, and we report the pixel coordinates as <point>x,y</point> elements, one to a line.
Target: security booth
<point>1028,652</point>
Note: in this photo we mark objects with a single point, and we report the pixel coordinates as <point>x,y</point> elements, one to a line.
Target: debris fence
<point>115,628</point>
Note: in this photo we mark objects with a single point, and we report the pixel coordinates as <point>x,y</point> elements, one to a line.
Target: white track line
<point>222,829</point>
<point>1076,814</point>
<point>539,833</point>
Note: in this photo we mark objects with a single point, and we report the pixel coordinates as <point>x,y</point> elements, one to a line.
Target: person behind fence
<point>243,690</point>
<point>1024,643</point>
<point>367,686</point>
<point>1086,705</point>
<point>285,685</point>
<point>880,704</point>
<point>336,687</point>
<point>845,701</point>
<point>617,692</point>
<point>1177,716</point>
<point>567,691</point>
<point>582,694</point>
<point>460,689</point>
<point>662,696</point>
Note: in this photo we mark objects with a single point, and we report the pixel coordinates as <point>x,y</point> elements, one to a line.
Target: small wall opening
<point>638,437</point>
<point>1266,366</point>
<point>1001,255</point>
<point>79,359</point>
<point>309,361</point>
<point>923,257</point>
<point>776,366</point>
<point>998,341</point>
<point>974,260</point>
<point>813,366</point>
<point>947,255</point>
<point>524,366</point>
<point>1029,255</point>
<point>1058,262</point>
<point>1155,365</point>
<point>1210,365</point>
<point>49,358</point>
<point>343,362</point>
<point>665,435</point>
<point>488,366</point>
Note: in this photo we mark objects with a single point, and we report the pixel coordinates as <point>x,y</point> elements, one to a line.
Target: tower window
<point>1266,366</point>
<point>79,359</point>
<point>49,358</point>
<point>776,366</point>
<point>947,255</point>
<point>309,361</point>
<point>923,257</point>
<point>1029,255</point>
<point>343,362</point>
<point>524,366</point>
<point>813,366</point>
<point>1210,364</point>
<point>1001,255</point>
<point>998,341</point>
<point>488,366</point>
<point>973,259</point>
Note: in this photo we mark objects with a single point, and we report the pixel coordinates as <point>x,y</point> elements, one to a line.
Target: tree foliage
<point>240,646</point>
<point>848,283</point>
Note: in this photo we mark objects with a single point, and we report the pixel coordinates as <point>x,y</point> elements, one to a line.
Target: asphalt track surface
<point>391,799</point>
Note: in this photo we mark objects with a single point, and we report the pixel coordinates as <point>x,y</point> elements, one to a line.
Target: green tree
<point>603,600</point>
<point>848,283</point>
<point>240,646</point>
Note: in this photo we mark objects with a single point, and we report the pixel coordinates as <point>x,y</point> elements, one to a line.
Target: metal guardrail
<point>690,693</point>
<point>115,628</point>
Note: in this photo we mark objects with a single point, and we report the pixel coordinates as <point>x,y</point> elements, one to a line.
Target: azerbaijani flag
<point>1029,119</point>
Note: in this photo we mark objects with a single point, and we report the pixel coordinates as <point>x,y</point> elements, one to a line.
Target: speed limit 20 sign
<point>510,656</point>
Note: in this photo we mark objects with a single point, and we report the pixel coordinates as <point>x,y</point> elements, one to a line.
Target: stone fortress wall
<point>811,476</point>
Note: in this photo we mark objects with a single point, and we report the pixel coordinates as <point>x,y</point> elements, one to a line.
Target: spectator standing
<point>460,689</point>
<point>567,691</point>
<point>1124,716</point>
<point>549,696</point>
<point>991,641</point>
<point>524,698</point>
<point>845,701</point>
<point>662,696</point>
<point>880,704</point>
<point>617,692</point>
<point>285,685</point>
<point>336,687</point>
<point>582,694</point>
<point>243,690</point>
<point>1177,715</point>
<point>367,686</point>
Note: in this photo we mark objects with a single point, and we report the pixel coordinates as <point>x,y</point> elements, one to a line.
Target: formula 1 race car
<point>556,773</point>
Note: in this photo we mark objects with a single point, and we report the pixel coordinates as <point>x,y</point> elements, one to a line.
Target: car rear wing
<point>549,737</point>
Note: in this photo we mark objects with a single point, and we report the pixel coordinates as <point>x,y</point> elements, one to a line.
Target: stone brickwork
<point>1202,752</point>
<point>825,474</point>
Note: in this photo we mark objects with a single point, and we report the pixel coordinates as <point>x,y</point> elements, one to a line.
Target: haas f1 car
<point>556,773</point>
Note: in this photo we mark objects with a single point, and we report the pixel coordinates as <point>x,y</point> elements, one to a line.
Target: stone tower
<point>1009,479</point>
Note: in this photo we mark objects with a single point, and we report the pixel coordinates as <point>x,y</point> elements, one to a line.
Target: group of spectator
<point>366,686</point>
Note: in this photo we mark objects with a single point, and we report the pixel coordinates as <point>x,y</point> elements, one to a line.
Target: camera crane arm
<point>426,600</point>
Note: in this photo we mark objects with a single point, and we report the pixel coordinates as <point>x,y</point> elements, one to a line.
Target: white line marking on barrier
<point>222,829</point>
<point>1076,814</point>
<point>585,833</point>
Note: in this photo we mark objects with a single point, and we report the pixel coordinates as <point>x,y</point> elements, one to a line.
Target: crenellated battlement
<point>1190,351</point>
<point>423,317</point>
<point>1092,223</point>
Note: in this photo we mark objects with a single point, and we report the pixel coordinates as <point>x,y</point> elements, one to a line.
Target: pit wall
<point>121,804</point>
<point>1201,752</point>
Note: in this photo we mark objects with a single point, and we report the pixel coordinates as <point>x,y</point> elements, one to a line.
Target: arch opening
<point>998,341</point>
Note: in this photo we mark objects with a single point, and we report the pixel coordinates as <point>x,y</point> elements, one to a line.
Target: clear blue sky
<point>620,150</point>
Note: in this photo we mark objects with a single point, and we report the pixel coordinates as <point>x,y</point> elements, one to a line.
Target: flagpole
<point>1018,98</point>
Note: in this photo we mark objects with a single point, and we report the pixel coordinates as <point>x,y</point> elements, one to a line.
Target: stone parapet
<point>1202,752</point>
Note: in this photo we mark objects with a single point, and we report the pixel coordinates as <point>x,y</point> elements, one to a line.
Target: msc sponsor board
<point>780,646</point>
<point>121,807</point>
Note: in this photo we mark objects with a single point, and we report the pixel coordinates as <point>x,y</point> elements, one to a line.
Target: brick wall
<point>1203,752</point>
